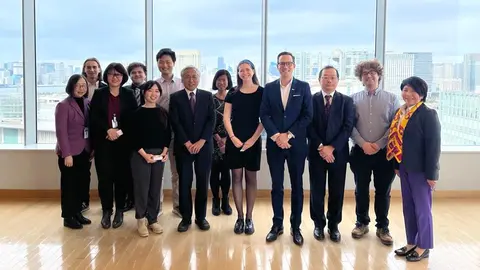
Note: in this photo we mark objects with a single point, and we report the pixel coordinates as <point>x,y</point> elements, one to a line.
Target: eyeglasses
<point>369,72</point>
<point>81,85</point>
<point>287,64</point>
<point>117,75</point>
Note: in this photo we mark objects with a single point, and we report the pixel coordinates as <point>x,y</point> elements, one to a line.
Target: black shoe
<point>249,228</point>
<point>106,219</point>
<point>239,227</point>
<point>297,237</point>
<point>403,251</point>
<point>415,257</point>
<point>274,233</point>
<point>318,234</point>
<point>129,205</point>
<point>184,225</point>
<point>72,223</point>
<point>85,207</point>
<point>118,219</point>
<point>227,210</point>
<point>335,235</point>
<point>216,206</point>
<point>82,220</point>
<point>203,224</point>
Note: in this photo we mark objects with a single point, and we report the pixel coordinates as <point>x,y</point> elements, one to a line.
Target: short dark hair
<point>168,52</point>
<point>135,65</point>
<point>328,67</point>
<point>119,68</point>
<point>148,85</point>
<point>72,81</point>
<point>98,63</point>
<point>418,85</point>
<point>219,73</point>
<point>286,53</point>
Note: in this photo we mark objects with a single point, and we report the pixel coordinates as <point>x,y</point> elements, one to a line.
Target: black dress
<point>245,117</point>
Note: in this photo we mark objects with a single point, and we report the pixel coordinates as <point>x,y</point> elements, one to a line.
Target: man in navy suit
<point>193,117</point>
<point>286,111</point>
<point>332,125</point>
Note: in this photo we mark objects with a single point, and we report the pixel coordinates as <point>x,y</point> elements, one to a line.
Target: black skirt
<point>250,159</point>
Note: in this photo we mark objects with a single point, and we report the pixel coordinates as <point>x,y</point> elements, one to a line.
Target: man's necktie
<point>327,106</point>
<point>192,101</point>
<point>138,96</point>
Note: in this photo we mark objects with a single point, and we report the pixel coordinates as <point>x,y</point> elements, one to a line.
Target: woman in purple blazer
<point>73,150</point>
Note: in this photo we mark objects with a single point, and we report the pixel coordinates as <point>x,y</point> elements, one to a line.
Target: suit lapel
<point>75,106</point>
<point>291,93</point>
<point>186,100</point>
<point>277,95</point>
<point>336,101</point>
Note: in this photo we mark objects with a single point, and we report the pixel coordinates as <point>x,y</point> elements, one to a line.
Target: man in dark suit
<point>332,125</point>
<point>193,118</point>
<point>286,111</point>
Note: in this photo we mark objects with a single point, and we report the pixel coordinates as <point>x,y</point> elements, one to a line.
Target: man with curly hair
<point>375,109</point>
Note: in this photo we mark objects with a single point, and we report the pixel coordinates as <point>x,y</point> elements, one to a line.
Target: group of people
<point>132,131</point>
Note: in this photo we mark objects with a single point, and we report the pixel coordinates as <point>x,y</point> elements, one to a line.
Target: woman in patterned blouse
<point>220,174</point>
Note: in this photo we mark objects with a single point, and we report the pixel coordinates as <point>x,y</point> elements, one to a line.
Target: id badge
<point>114,123</point>
<point>85,133</point>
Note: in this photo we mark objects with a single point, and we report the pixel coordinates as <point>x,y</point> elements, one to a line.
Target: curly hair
<point>370,65</point>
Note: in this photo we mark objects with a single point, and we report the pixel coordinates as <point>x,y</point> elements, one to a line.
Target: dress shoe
<point>239,227</point>
<point>82,220</point>
<point>216,206</point>
<point>274,233</point>
<point>297,237</point>
<point>129,205</point>
<point>184,225</point>
<point>118,219</point>
<point>106,219</point>
<point>404,251</point>
<point>227,210</point>
<point>335,235</point>
<point>318,234</point>
<point>203,224</point>
<point>249,228</point>
<point>415,257</point>
<point>72,223</point>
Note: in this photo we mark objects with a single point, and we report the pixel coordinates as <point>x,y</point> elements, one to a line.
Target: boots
<point>227,210</point>
<point>142,227</point>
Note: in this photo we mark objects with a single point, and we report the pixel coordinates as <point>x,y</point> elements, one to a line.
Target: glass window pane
<point>435,40</point>
<point>68,32</point>
<point>11,73</point>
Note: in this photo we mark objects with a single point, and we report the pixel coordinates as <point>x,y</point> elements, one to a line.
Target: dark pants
<point>417,208</point>
<point>73,179</point>
<point>85,189</point>
<point>202,163</point>
<point>362,166</point>
<point>129,186</point>
<point>295,158</point>
<point>318,169</point>
<point>147,179</point>
<point>220,178</point>
<point>112,160</point>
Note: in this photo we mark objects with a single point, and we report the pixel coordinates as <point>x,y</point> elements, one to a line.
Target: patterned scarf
<point>395,138</point>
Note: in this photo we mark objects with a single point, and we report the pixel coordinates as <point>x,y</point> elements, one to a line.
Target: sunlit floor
<point>32,237</point>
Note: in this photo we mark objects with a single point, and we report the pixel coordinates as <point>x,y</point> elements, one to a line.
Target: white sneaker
<point>156,228</point>
<point>142,227</point>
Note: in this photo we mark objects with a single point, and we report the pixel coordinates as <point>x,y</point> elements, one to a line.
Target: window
<point>11,73</point>
<point>320,33</point>
<point>209,34</point>
<point>68,32</point>
<point>434,40</point>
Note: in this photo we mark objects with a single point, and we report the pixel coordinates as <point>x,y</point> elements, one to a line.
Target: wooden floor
<point>32,237</point>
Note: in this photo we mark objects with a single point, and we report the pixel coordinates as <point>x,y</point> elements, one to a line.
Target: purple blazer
<point>69,127</point>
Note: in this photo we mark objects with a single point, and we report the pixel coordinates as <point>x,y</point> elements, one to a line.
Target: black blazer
<point>422,143</point>
<point>337,130</point>
<point>99,114</point>
<point>188,126</point>
<point>133,88</point>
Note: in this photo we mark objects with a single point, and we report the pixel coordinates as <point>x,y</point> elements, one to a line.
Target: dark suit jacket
<point>422,143</point>
<point>134,88</point>
<point>99,123</point>
<point>69,127</point>
<point>188,126</point>
<point>295,118</point>
<point>337,130</point>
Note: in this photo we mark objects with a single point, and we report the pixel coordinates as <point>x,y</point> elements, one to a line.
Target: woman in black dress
<point>244,146</point>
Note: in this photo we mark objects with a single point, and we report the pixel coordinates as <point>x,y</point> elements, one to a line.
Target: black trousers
<point>85,189</point>
<point>220,178</point>
<point>362,166</point>
<point>73,179</point>
<point>129,188</point>
<point>318,169</point>
<point>112,161</point>
<point>186,163</point>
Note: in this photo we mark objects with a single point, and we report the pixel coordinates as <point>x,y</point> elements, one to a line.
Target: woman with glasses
<point>111,108</point>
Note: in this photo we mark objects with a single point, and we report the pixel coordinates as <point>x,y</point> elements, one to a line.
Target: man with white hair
<point>192,115</point>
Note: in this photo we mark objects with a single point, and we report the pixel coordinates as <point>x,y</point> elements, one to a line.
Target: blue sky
<point>75,30</point>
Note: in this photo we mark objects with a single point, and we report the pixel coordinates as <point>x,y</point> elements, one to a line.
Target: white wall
<point>36,168</point>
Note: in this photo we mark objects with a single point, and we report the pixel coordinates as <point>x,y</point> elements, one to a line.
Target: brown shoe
<point>385,237</point>
<point>359,231</point>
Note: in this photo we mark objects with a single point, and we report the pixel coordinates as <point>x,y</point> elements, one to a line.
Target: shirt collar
<point>332,94</point>
<point>188,91</point>
<point>374,93</point>
<point>162,80</point>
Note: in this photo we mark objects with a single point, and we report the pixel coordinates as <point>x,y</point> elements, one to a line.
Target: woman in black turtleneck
<point>73,150</point>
